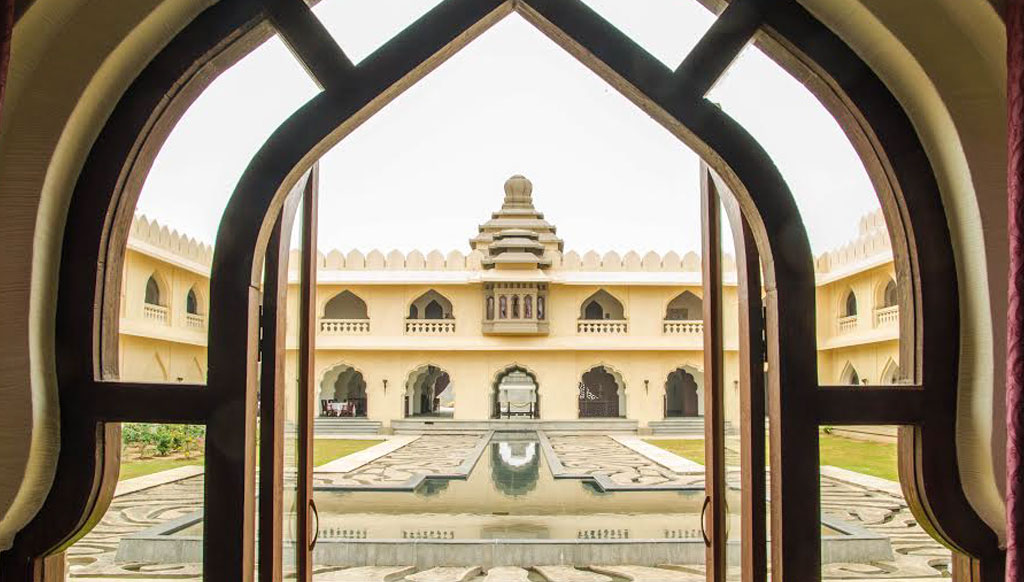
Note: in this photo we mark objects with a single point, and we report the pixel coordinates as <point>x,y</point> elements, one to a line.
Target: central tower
<point>517,245</point>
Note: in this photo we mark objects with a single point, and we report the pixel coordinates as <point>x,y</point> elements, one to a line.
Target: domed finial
<point>518,191</point>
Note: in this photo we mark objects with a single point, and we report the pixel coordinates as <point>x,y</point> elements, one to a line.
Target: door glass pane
<point>868,531</point>
<point>165,290</point>
<point>668,29</point>
<point>292,412</point>
<point>731,402</point>
<point>154,526</point>
<point>858,312</point>
<point>362,26</point>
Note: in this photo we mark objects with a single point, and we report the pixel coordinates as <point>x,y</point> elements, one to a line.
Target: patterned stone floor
<point>93,555</point>
<point>594,454</point>
<point>916,555</point>
<point>427,455</point>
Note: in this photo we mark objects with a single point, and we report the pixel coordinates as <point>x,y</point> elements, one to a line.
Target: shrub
<point>165,438</point>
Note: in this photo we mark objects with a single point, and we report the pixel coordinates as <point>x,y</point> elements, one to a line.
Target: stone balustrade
<point>683,327</point>
<point>429,326</point>
<point>344,326</point>
<point>607,326</point>
<point>157,313</point>
<point>195,321</point>
<point>847,324</point>
<point>887,315</point>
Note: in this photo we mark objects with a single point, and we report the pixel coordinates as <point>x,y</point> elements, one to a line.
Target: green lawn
<point>867,457</point>
<point>143,467</point>
<point>324,451</point>
<point>692,449</point>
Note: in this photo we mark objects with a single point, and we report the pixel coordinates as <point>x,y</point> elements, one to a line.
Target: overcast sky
<point>429,168</point>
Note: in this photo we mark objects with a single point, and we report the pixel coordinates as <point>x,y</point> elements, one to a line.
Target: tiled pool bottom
<point>509,511</point>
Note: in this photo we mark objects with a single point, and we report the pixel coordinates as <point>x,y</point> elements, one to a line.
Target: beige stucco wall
<point>166,350</point>
<point>72,59</point>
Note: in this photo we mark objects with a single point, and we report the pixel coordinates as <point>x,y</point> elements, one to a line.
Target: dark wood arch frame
<point>108,186</point>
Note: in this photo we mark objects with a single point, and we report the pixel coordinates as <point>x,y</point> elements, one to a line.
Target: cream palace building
<point>514,328</point>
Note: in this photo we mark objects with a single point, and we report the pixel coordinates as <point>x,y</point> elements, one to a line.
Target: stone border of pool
<point>410,484</point>
<point>159,545</point>
<point>603,482</point>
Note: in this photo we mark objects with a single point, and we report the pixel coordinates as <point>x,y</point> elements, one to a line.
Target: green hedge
<point>163,439</point>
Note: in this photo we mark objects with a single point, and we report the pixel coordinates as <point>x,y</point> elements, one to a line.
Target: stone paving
<point>601,455</point>
<point>94,554</point>
<point>427,455</point>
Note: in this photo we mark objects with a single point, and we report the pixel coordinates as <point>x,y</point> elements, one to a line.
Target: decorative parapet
<point>344,326</point>
<point>434,260</point>
<point>872,240</point>
<point>152,233</point>
<point>683,327</point>
<point>429,326</point>
<point>602,327</point>
<point>887,315</point>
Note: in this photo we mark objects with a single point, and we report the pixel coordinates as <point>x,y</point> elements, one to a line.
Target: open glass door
<point>287,518</point>
<point>734,522</point>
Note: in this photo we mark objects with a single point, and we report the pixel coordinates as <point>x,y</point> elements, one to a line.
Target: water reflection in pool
<point>510,494</point>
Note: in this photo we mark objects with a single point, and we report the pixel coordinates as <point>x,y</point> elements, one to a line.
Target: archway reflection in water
<point>510,494</point>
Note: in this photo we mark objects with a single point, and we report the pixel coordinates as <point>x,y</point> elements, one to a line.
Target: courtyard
<point>510,506</point>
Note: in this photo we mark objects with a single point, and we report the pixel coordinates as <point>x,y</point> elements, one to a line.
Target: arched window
<point>540,308</point>
<point>153,291</point>
<point>431,305</point>
<point>850,305</point>
<point>345,305</point>
<point>602,305</point>
<point>850,376</point>
<point>889,298</point>
<point>528,307</point>
<point>515,307</point>
<point>503,307</point>
<point>192,303</point>
<point>490,308</point>
<point>684,307</point>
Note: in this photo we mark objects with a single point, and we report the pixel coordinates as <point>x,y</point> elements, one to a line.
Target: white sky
<point>426,170</point>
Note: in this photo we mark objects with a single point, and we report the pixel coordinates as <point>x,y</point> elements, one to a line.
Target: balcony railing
<point>683,327</point>
<point>344,326</point>
<point>847,324</point>
<point>430,326</point>
<point>195,321</point>
<point>156,313</point>
<point>887,315</point>
<point>600,327</point>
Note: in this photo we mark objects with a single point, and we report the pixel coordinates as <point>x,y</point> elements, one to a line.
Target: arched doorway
<point>601,394</point>
<point>682,394</point>
<point>342,392</point>
<point>515,394</point>
<point>803,33</point>
<point>429,392</point>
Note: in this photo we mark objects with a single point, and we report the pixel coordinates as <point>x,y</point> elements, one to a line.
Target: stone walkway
<point>593,455</point>
<point>404,468</point>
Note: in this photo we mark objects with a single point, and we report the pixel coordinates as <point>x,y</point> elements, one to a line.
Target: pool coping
<point>138,547</point>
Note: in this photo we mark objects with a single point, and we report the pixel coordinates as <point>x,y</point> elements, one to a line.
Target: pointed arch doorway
<point>676,98</point>
<point>684,393</point>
